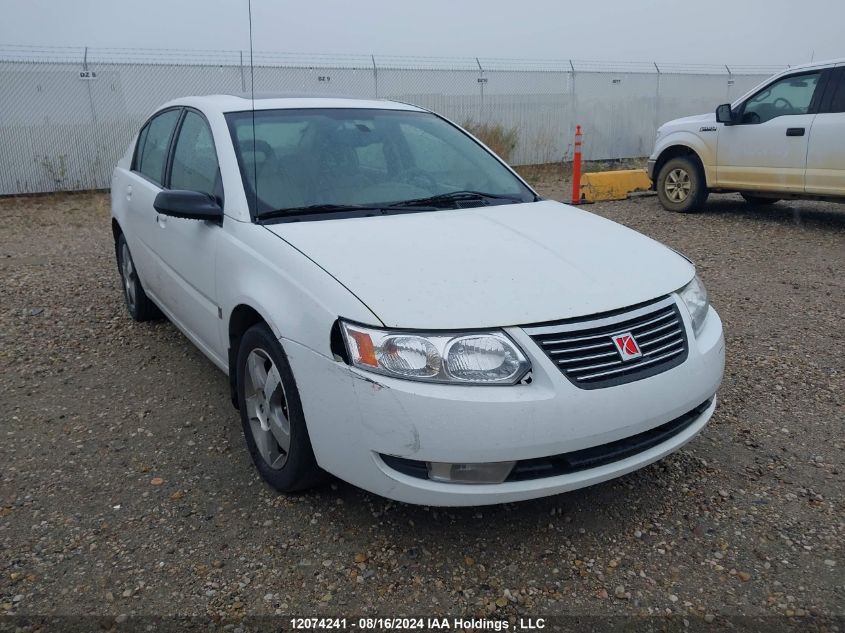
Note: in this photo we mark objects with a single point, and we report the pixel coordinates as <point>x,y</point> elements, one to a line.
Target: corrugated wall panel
<point>61,132</point>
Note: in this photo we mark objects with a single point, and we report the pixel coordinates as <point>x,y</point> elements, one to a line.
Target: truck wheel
<point>271,414</point>
<point>681,185</point>
<point>751,199</point>
<point>138,304</point>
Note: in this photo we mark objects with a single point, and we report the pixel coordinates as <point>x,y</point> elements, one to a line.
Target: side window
<point>790,95</point>
<point>152,147</point>
<point>194,165</point>
<point>837,104</point>
<point>139,147</point>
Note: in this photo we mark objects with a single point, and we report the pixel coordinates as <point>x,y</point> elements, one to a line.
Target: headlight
<point>694,295</point>
<point>478,358</point>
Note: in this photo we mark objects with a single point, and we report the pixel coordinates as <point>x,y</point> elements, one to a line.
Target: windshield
<point>360,158</point>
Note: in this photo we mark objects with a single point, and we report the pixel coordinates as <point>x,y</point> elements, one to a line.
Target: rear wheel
<point>752,199</point>
<point>681,185</point>
<point>271,414</point>
<point>138,304</point>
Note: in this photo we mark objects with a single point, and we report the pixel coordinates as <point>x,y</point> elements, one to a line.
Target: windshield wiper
<point>452,197</point>
<point>443,200</point>
<point>315,208</point>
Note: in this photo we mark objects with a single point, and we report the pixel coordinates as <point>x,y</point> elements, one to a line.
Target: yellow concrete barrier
<point>613,185</point>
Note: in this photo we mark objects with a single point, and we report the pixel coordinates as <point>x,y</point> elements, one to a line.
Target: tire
<point>761,200</point>
<point>681,186</point>
<point>282,451</point>
<point>138,304</point>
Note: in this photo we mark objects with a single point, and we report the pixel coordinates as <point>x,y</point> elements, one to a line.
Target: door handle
<point>795,131</point>
<point>128,192</point>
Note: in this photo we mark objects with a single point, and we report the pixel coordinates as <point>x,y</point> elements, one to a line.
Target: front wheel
<point>681,186</point>
<point>271,414</point>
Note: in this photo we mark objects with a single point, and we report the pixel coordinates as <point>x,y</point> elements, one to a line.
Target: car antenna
<point>252,104</point>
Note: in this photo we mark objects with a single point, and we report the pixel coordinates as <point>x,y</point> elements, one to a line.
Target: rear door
<point>826,152</point>
<point>187,249</point>
<point>767,149</point>
<point>142,185</point>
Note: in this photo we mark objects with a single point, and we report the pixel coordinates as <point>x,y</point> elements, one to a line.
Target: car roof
<point>819,64</point>
<point>274,101</point>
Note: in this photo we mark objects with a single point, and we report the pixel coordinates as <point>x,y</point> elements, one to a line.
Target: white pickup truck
<point>784,139</point>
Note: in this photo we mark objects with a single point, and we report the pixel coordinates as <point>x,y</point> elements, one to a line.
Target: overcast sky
<point>770,32</point>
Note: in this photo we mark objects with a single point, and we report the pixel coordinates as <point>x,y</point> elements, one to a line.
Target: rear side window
<point>837,104</point>
<point>151,153</point>
<point>194,166</point>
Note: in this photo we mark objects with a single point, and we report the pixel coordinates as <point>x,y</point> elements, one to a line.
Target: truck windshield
<point>297,161</point>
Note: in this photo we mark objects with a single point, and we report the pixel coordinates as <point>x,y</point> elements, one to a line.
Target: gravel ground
<point>126,488</point>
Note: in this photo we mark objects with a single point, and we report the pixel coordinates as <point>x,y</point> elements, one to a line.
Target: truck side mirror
<point>724,114</point>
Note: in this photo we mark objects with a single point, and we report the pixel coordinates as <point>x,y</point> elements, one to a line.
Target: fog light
<point>483,473</point>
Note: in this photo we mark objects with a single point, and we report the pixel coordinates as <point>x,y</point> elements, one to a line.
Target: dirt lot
<point>126,488</point>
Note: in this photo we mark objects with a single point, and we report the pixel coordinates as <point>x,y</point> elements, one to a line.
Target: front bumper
<point>354,417</point>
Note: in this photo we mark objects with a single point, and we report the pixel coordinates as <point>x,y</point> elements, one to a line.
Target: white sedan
<point>397,307</point>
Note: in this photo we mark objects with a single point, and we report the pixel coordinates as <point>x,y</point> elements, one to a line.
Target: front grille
<point>584,351</point>
<point>576,461</point>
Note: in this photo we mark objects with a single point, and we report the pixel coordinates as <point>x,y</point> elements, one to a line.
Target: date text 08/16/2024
<point>414,624</point>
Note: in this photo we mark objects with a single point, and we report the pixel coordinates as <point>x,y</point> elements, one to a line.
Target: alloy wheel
<point>130,278</point>
<point>678,185</point>
<point>267,408</point>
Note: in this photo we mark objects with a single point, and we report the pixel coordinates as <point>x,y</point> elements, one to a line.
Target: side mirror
<point>724,114</point>
<point>190,205</point>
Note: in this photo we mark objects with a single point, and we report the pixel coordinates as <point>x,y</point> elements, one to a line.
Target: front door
<point>767,149</point>
<point>187,249</point>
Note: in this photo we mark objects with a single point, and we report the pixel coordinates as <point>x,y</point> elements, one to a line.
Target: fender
<point>273,278</point>
<point>264,272</point>
<point>704,148</point>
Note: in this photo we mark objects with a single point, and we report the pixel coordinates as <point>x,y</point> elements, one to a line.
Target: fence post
<point>243,80</point>
<point>730,81</point>
<point>657,100</point>
<point>88,85</point>
<point>481,82</point>
<point>375,74</point>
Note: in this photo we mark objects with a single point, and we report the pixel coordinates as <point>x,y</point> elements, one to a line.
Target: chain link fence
<point>67,115</point>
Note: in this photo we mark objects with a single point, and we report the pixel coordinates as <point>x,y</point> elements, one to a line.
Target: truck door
<point>826,152</point>
<point>766,150</point>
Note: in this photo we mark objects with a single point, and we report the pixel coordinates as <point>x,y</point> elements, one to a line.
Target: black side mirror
<point>724,114</point>
<point>190,205</point>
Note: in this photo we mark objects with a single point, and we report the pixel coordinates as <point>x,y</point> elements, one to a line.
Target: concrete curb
<point>613,185</point>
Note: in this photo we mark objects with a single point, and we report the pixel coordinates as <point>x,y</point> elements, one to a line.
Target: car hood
<point>688,120</point>
<point>490,266</point>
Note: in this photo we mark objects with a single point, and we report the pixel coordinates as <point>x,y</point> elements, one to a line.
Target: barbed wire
<point>211,57</point>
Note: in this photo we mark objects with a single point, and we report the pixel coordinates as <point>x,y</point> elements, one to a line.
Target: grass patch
<point>502,140</point>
